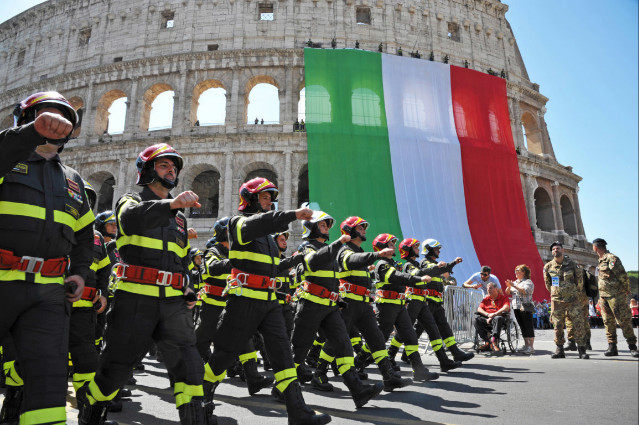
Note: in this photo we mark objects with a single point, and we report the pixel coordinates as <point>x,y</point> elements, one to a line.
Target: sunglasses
<point>483,274</point>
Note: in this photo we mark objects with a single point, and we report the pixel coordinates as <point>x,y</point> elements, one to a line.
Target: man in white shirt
<point>480,280</point>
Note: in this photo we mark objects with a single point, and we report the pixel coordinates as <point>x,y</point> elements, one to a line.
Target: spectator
<point>262,121</point>
<point>540,316</point>
<point>296,126</point>
<point>521,290</point>
<point>302,126</point>
<point>480,280</point>
<point>592,313</point>
<point>634,307</point>
<point>257,121</point>
<point>490,315</point>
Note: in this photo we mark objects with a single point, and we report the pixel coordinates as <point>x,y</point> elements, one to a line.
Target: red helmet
<point>25,111</point>
<point>348,226</point>
<point>249,191</point>
<point>406,246</point>
<point>148,156</point>
<point>381,241</point>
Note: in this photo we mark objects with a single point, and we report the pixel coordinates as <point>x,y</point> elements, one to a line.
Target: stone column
<point>234,113</point>
<point>529,194</point>
<point>121,183</point>
<point>228,185</point>
<point>556,206</point>
<point>180,116</point>
<point>131,124</point>
<point>581,233</point>
<point>88,119</point>
<point>287,186</point>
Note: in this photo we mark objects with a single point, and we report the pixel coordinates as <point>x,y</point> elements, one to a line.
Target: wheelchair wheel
<point>512,335</point>
<point>476,342</point>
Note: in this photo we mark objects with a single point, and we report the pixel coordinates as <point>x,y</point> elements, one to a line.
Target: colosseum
<point>98,51</point>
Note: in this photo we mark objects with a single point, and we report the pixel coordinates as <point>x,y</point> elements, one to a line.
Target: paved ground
<point>513,389</point>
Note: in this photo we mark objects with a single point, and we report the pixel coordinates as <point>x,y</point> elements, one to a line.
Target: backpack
<point>590,284</point>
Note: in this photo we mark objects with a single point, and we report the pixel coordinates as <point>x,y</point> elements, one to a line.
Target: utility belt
<point>355,292</point>
<point>53,267</point>
<point>283,298</point>
<point>320,291</point>
<point>88,294</point>
<point>148,276</point>
<point>245,284</point>
<point>415,291</point>
<point>213,290</point>
<point>390,295</point>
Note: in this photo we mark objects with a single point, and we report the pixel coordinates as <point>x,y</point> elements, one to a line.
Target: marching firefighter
<point>252,304</point>
<point>285,292</point>
<point>196,267</point>
<point>391,287</point>
<point>150,304</point>
<point>355,288</point>
<point>216,271</point>
<point>45,253</point>
<point>418,308</point>
<point>319,309</point>
<point>105,224</point>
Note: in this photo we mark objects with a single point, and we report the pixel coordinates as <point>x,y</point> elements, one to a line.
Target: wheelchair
<point>509,336</point>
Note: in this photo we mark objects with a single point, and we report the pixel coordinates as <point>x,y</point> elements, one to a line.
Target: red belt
<point>353,288</point>
<point>433,293</point>
<point>53,267</point>
<point>213,290</point>
<point>255,281</point>
<point>391,295</point>
<point>149,276</point>
<point>88,294</point>
<point>415,291</point>
<point>320,291</point>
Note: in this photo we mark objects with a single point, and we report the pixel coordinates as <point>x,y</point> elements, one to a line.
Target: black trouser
<point>525,320</point>
<point>100,324</point>
<point>312,317</point>
<point>37,317</point>
<point>84,357</point>
<point>206,329</point>
<point>241,318</point>
<point>439,314</point>
<point>484,329</point>
<point>395,315</point>
<point>360,315</point>
<point>289,318</point>
<point>419,311</point>
<point>133,324</point>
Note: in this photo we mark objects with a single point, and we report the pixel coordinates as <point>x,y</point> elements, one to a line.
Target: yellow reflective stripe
<point>51,415</point>
<point>80,379</point>
<point>307,258</point>
<point>238,230</point>
<point>316,299</point>
<point>410,349</point>
<point>184,393</point>
<point>175,248</point>
<point>348,254</point>
<point>9,275</point>
<point>83,303</point>
<point>414,297</point>
<point>395,343</point>
<point>212,301</point>
<point>322,273</point>
<point>354,297</point>
<point>362,273</point>
<point>251,293</point>
<point>149,290</point>
<point>84,221</point>
<point>450,341</point>
<point>151,243</point>
<point>25,210</point>
<point>380,355</point>
<point>253,256</point>
<point>390,271</point>
<point>65,218</point>
<point>210,376</point>
<point>1,180</point>
<point>284,378</point>
<point>316,342</point>
<point>95,394</point>
<point>436,344</point>
<point>344,364</point>
<point>248,356</point>
<point>326,357</point>
<point>379,300</point>
<point>12,377</point>
<point>121,208</point>
<point>436,299</point>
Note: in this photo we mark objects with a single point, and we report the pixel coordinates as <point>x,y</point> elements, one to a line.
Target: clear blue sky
<point>583,54</point>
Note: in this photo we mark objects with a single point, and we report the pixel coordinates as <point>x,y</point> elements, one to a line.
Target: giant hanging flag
<point>419,149</point>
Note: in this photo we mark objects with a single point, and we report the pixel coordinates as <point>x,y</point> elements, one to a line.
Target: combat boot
<point>313,355</point>
<point>255,381</point>
<point>234,369</point>
<point>320,379</point>
<point>405,357</point>
<point>91,414</point>
<point>420,372</point>
<point>582,353</point>
<point>392,352</point>
<point>446,364</point>
<point>304,373</point>
<point>10,413</point>
<point>392,379</point>
<point>572,345</point>
<point>116,403</point>
<point>633,350</point>
<point>298,412</point>
<point>192,413</point>
<point>277,394</point>
<point>588,346</point>
<point>612,350</point>
<point>363,359</point>
<point>209,392</point>
<point>459,355</point>
<point>559,353</point>
<point>361,393</point>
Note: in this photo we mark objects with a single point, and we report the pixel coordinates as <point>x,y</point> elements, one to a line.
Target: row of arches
<point>545,211</point>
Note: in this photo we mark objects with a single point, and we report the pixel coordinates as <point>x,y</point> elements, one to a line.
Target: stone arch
<point>147,102</point>
<point>102,111</point>
<point>198,90</point>
<point>568,215</point>
<point>77,103</point>
<point>206,184</point>
<point>302,186</point>
<point>260,169</point>
<point>7,122</point>
<point>532,133</point>
<point>544,210</point>
<point>248,88</point>
<point>103,182</point>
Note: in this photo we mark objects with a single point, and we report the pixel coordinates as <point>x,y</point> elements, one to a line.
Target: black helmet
<point>102,219</point>
<point>194,252</point>
<point>220,229</point>
<point>211,242</point>
<point>92,195</point>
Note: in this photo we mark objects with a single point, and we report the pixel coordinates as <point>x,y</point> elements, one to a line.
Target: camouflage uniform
<point>614,288</point>
<point>583,301</point>
<point>565,298</point>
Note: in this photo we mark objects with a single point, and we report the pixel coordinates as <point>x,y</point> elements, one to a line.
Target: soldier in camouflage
<point>570,329</point>
<point>564,280</point>
<point>614,288</point>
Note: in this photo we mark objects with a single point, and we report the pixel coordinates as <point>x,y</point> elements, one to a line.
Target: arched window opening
<point>117,116</point>
<point>104,120</point>
<point>532,134</point>
<point>319,100</point>
<point>568,216</point>
<point>77,103</point>
<point>207,186</point>
<point>543,208</point>
<point>263,172</point>
<point>366,108</point>
<point>103,182</point>
<point>263,105</point>
<point>161,115</point>
<point>212,107</point>
<point>302,186</point>
<point>301,106</point>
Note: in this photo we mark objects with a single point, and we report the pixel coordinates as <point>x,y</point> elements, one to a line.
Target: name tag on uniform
<point>555,281</point>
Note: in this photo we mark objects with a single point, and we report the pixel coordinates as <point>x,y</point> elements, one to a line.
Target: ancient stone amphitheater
<point>98,51</point>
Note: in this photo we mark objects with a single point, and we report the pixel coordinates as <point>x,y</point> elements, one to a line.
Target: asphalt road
<point>513,389</point>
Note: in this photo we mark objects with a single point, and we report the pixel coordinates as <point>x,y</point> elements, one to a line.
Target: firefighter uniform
<point>46,226</point>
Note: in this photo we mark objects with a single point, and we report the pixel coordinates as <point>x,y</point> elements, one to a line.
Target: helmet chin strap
<point>167,183</point>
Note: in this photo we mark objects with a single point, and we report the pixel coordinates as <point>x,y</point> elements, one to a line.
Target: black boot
<point>559,353</point>
<point>192,413</point>
<point>404,356</point>
<point>363,359</point>
<point>572,345</point>
<point>392,352</point>
<point>209,392</point>
<point>446,364</point>
<point>304,373</point>
<point>320,379</point>
<point>588,346</point>
<point>313,355</point>
<point>612,350</point>
<point>392,379</point>
<point>459,355</point>
<point>116,403</point>
<point>91,414</point>
<point>633,350</point>
<point>582,353</point>
<point>298,412</point>
<point>10,413</point>
<point>254,380</point>
<point>361,393</point>
<point>420,372</point>
<point>277,394</point>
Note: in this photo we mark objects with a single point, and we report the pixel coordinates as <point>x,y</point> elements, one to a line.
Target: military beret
<point>556,243</point>
<point>600,241</point>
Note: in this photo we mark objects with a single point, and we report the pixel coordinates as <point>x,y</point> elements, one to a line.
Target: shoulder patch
<point>179,242</point>
<point>179,221</point>
<point>73,186</point>
<point>69,209</point>
<point>21,168</point>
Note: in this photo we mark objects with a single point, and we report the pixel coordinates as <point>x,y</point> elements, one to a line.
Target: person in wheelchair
<point>491,317</point>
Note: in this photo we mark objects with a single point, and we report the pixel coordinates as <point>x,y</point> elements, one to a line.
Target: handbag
<point>528,307</point>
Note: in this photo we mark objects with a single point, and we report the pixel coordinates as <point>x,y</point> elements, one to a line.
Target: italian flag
<point>418,149</point>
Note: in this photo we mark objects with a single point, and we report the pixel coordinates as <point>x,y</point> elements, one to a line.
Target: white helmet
<point>310,226</point>
<point>428,245</point>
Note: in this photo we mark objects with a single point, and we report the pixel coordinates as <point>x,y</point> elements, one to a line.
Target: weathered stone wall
<point>223,43</point>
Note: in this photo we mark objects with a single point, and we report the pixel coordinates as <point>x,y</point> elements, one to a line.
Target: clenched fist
<point>387,252</point>
<point>186,199</point>
<point>426,278</point>
<point>304,214</point>
<point>345,238</point>
<point>52,126</point>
